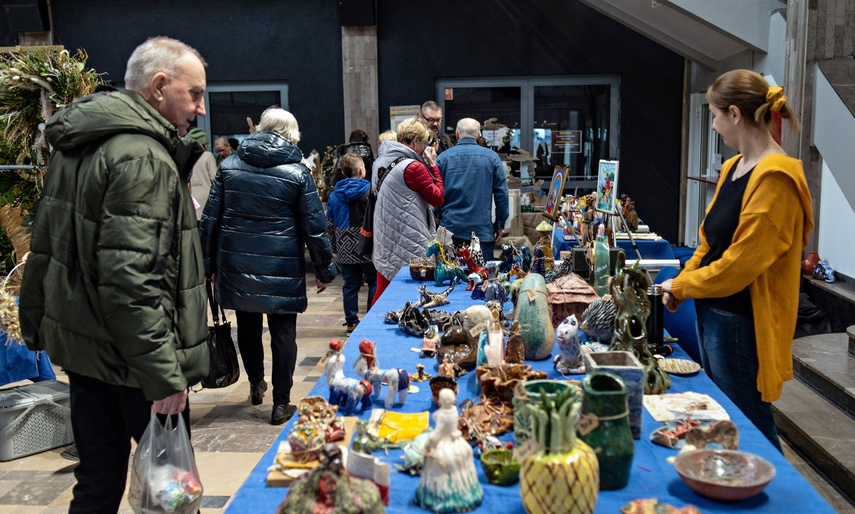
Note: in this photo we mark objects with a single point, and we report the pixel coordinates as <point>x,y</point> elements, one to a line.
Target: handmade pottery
<point>532,311</point>
<point>529,393</point>
<point>515,351</point>
<point>311,491</point>
<point>604,425</point>
<point>564,475</point>
<point>810,263</point>
<point>724,474</point>
<point>397,380</point>
<point>499,381</point>
<point>500,467</point>
<point>631,372</point>
<point>629,290</point>
<point>449,481</point>
<point>421,268</point>
<point>569,359</point>
<point>458,344</point>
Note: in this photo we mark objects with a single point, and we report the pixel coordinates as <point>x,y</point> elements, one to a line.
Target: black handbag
<point>224,370</point>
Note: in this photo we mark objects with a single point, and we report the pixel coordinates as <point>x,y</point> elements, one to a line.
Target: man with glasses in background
<point>431,114</point>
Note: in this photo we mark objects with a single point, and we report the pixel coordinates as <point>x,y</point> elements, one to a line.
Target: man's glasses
<point>431,120</point>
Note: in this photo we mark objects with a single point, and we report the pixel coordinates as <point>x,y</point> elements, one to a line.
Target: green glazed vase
<point>604,398</point>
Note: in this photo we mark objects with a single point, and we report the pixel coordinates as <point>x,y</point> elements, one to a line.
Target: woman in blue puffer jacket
<point>262,212</point>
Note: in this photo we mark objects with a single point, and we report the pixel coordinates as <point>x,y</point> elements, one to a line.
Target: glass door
<point>571,128</point>
<point>568,121</point>
<point>706,153</point>
<point>497,108</point>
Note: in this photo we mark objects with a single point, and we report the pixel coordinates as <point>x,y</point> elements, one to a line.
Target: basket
<point>422,268</point>
<point>35,418</point>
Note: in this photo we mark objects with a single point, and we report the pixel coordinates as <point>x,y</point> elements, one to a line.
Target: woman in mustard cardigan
<point>745,274</point>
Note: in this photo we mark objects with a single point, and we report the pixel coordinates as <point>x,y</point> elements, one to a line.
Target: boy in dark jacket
<point>345,210</point>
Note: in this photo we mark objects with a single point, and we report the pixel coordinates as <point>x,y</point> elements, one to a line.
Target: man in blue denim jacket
<point>474,177</point>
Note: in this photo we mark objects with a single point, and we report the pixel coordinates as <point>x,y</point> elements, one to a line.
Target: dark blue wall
<point>299,42</point>
<point>547,37</point>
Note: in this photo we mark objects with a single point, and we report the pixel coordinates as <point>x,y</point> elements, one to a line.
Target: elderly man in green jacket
<point>114,285</point>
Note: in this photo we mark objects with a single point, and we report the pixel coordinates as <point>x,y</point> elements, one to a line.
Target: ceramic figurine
<point>429,344</point>
<point>532,312</point>
<point>420,375</point>
<point>397,379</point>
<point>564,475</point>
<point>347,393</point>
<point>515,352</point>
<point>543,261</point>
<point>414,454</point>
<point>328,488</point>
<point>598,319</point>
<point>471,266</point>
<point>629,290</point>
<point>569,359</point>
<point>445,270</point>
<point>449,480</point>
<point>446,369</point>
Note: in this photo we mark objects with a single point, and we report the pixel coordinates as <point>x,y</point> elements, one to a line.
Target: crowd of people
<point>122,245</point>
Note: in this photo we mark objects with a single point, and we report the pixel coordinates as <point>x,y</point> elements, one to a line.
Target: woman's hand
<point>320,285</point>
<point>430,155</point>
<point>668,299</point>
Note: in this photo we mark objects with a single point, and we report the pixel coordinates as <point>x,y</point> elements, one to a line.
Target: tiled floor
<point>229,434</point>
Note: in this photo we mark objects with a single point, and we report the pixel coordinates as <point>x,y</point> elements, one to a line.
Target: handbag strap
<point>212,302</point>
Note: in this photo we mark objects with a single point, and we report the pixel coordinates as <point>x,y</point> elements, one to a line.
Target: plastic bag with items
<point>164,477</point>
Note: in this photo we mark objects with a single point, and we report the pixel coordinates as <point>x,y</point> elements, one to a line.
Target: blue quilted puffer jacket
<point>262,212</point>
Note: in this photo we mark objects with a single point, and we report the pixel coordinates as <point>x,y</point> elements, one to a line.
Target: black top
<point>719,227</point>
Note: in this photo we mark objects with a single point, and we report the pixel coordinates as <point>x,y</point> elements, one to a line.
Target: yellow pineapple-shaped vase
<point>564,475</point>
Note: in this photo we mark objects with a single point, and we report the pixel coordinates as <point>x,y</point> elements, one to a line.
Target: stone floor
<point>229,434</point>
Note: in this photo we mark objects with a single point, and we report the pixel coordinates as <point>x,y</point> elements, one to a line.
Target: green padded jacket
<point>114,286</point>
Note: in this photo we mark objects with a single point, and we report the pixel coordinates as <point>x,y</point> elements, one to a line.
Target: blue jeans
<point>729,355</point>
<point>353,275</point>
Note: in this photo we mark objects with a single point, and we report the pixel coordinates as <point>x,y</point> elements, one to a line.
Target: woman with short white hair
<point>262,212</point>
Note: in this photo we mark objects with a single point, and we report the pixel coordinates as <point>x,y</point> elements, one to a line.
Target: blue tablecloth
<point>651,475</point>
<point>649,249</point>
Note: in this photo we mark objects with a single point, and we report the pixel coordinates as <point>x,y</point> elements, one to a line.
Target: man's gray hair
<point>157,54</point>
<point>467,127</point>
<point>282,122</point>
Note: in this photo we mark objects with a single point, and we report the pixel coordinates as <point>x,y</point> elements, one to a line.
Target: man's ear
<point>157,83</point>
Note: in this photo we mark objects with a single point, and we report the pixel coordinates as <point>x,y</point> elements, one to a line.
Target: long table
<point>649,248</point>
<point>651,475</point>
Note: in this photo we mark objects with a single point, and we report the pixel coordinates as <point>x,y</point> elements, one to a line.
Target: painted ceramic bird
<point>598,320</point>
<point>569,359</point>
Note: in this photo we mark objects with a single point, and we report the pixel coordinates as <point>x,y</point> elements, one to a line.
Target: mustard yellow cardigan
<point>767,246</point>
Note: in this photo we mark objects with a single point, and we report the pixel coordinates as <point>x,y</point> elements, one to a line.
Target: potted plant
<point>34,84</point>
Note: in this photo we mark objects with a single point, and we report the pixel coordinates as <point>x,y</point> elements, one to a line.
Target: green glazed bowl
<point>500,467</point>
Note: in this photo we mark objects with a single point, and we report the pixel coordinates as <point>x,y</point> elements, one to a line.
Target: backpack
<point>365,245</point>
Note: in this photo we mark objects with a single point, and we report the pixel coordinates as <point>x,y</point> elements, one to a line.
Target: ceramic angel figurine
<point>449,481</point>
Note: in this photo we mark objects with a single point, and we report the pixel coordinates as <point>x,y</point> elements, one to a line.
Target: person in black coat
<point>262,212</point>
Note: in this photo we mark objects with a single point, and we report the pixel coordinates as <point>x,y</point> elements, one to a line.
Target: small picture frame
<point>607,180</point>
<point>556,190</point>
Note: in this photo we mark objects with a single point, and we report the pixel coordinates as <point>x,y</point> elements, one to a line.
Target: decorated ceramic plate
<point>679,366</point>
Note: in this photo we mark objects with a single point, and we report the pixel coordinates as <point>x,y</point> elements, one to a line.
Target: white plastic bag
<point>164,478</point>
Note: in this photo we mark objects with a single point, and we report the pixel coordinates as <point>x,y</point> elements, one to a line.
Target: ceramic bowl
<point>726,475</point>
<point>500,467</point>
